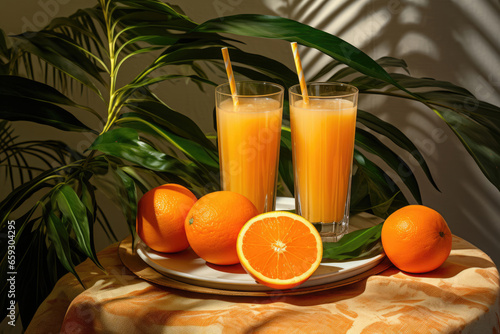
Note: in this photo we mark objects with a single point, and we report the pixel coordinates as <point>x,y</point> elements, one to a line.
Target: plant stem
<point>107,13</point>
<point>89,157</point>
<point>28,192</point>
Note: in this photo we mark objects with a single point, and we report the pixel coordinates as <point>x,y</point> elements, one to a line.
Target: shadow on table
<point>456,264</point>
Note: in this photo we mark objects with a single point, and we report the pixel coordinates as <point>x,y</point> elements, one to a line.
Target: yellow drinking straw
<point>300,73</point>
<point>230,75</point>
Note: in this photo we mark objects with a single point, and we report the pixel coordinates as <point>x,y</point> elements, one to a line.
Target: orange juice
<point>322,147</point>
<point>249,140</point>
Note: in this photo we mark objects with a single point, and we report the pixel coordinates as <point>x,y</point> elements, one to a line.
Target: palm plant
<point>54,186</point>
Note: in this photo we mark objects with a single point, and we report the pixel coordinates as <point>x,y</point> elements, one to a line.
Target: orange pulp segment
<point>279,249</point>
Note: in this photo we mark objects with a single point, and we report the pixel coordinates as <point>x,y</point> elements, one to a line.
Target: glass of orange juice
<point>249,132</point>
<point>323,128</point>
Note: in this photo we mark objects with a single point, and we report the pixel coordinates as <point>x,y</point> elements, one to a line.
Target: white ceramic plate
<point>187,267</point>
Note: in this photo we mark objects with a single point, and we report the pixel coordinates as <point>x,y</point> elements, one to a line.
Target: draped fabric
<point>461,296</point>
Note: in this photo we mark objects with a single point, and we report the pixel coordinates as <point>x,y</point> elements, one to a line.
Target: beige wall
<point>448,40</point>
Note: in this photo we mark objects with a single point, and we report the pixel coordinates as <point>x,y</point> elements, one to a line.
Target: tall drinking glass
<point>322,148</point>
<point>248,131</point>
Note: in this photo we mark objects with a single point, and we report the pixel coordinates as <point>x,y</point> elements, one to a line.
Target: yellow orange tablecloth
<point>461,296</point>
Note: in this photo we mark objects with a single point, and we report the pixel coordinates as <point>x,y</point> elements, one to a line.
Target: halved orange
<point>279,249</point>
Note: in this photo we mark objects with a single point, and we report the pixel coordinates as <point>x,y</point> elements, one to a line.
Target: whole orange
<point>416,239</point>
<point>160,217</point>
<point>213,223</point>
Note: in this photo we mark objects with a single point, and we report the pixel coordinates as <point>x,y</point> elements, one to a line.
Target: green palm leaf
<point>128,197</point>
<point>484,146</point>
<point>174,121</point>
<point>194,151</point>
<point>373,190</point>
<point>15,108</point>
<point>371,144</point>
<point>285,29</point>
<point>354,245</point>
<point>74,212</point>
<point>124,143</point>
<point>57,233</point>
<point>397,137</point>
<point>57,58</point>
